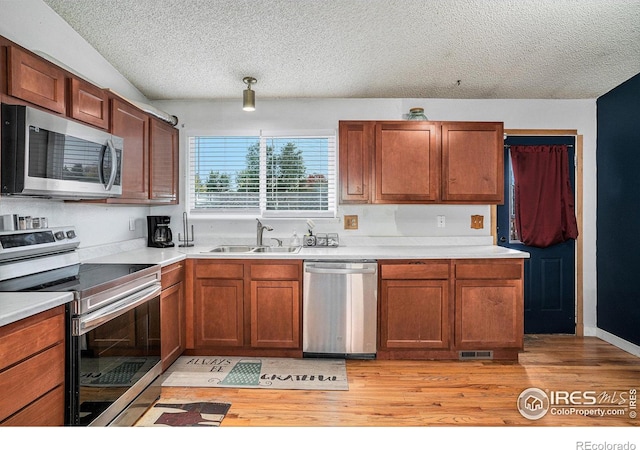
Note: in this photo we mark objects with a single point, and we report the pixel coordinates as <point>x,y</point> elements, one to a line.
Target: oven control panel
<point>17,244</point>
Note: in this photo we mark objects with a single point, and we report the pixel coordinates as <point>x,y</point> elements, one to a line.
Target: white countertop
<point>166,256</point>
<point>19,305</point>
<point>377,252</point>
<point>144,255</point>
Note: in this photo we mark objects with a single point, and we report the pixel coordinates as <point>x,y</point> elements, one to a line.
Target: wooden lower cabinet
<point>32,370</point>
<point>417,314</point>
<point>415,310</point>
<point>219,313</point>
<point>275,313</point>
<point>244,307</point>
<point>451,309</point>
<point>489,305</point>
<point>172,314</point>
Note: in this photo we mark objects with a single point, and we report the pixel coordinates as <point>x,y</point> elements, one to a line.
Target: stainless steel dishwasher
<point>340,303</point>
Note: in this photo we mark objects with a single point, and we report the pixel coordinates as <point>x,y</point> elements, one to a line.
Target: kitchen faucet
<point>261,228</point>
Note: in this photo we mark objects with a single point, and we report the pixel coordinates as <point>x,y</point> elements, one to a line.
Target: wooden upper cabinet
<point>88,103</point>
<point>164,162</point>
<point>421,162</point>
<point>132,125</point>
<point>472,162</point>
<point>35,80</point>
<point>356,144</point>
<point>407,162</point>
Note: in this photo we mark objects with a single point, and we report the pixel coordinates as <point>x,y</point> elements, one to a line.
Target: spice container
<point>321,240</point>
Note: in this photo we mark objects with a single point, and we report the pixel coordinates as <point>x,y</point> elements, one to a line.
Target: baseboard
<point>618,342</point>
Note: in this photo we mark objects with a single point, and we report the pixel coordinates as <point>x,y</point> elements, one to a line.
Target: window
<point>288,176</point>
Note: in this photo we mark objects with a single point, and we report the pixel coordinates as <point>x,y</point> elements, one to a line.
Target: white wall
<point>22,22</point>
<point>380,220</point>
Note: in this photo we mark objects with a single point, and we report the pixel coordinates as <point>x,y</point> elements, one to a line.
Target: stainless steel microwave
<point>46,155</point>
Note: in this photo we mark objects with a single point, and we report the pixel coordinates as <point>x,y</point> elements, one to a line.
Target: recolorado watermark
<point>588,445</point>
<point>535,403</point>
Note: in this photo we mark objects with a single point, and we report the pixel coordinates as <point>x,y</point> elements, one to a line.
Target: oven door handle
<point>84,324</point>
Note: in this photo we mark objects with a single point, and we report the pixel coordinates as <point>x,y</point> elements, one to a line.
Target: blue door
<point>549,275</point>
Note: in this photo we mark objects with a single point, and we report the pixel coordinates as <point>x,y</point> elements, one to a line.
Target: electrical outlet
<point>477,222</point>
<point>441,221</point>
<point>132,224</point>
<point>350,222</point>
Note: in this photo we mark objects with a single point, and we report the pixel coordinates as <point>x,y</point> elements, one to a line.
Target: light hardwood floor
<point>444,393</point>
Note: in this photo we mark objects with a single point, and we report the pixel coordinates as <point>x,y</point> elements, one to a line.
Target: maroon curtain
<point>544,205</point>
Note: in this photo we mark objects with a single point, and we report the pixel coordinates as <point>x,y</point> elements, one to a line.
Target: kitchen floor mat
<point>261,373</point>
<point>184,413</point>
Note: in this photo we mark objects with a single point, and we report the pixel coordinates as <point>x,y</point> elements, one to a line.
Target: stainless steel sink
<point>233,249</point>
<point>276,250</point>
<point>253,249</point>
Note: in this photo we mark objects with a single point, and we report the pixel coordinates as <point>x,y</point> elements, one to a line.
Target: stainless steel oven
<point>113,339</point>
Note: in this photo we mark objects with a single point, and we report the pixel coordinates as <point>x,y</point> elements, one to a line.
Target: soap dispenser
<point>295,240</point>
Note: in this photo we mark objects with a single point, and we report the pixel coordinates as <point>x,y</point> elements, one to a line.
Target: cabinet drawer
<point>172,274</point>
<point>29,336</point>
<point>47,411</point>
<point>494,270</point>
<point>219,270</point>
<point>420,271</point>
<point>29,380</point>
<point>275,271</point>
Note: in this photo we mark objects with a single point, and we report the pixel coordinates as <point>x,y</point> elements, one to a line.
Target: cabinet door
<point>356,159</point>
<point>414,314</point>
<point>35,80</point>
<point>472,162</point>
<point>407,162</point>
<point>489,314</point>
<point>133,125</point>
<point>88,103</point>
<point>275,314</point>
<point>164,162</point>
<point>218,313</point>
<point>172,307</point>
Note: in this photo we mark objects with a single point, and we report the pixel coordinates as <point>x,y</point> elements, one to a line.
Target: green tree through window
<point>263,174</point>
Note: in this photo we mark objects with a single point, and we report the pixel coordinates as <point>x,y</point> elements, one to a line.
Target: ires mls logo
<point>534,403</point>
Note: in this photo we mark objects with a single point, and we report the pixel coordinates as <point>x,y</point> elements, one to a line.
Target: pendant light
<point>249,96</point>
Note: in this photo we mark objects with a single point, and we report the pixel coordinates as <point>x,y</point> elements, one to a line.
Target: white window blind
<point>288,176</point>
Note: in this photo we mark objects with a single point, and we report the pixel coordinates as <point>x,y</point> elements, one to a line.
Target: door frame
<point>579,312</point>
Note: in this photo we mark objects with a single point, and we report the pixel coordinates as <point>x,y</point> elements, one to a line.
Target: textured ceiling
<point>201,49</point>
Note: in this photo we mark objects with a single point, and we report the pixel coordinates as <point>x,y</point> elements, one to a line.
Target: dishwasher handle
<point>339,270</point>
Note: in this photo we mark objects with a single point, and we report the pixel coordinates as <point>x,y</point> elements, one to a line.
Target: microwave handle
<point>114,166</point>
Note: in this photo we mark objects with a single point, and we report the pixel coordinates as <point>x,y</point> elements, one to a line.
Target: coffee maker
<point>159,233</point>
